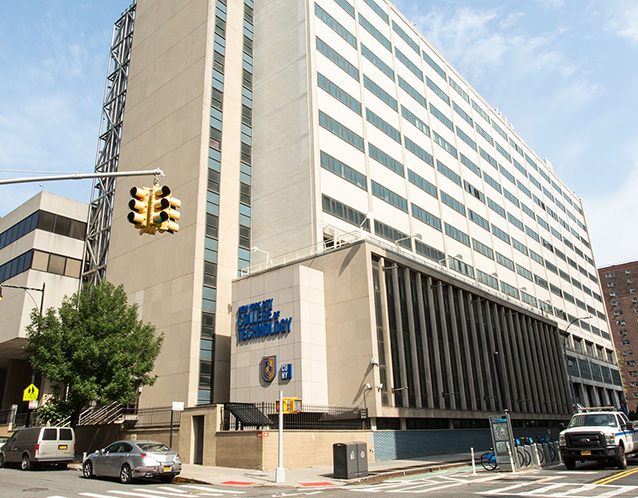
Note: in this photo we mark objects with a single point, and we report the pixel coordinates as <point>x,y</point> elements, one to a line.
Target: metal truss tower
<point>98,235</point>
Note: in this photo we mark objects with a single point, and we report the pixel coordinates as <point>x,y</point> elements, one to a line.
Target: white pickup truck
<point>601,434</point>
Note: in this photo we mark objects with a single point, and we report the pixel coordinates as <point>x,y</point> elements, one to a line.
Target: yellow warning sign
<point>31,393</point>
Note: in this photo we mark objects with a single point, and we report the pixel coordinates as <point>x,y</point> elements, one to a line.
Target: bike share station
<point>511,454</point>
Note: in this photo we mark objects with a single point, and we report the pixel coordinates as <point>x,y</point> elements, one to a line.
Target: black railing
<point>310,418</point>
<point>153,417</point>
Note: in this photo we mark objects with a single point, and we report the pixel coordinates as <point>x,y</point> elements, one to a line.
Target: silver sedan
<point>131,459</point>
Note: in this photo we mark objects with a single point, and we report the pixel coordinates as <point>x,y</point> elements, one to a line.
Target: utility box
<point>350,460</point>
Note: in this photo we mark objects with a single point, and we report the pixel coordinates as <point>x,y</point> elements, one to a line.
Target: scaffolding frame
<point>96,246</point>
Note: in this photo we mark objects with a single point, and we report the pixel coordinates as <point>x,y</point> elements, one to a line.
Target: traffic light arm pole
<point>28,289</point>
<point>81,176</point>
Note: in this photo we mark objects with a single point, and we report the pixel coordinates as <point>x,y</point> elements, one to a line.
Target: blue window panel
<point>434,65</point>
<point>210,255</point>
<point>369,27</point>
<point>210,307</point>
<point>418,151</point>
<point>378,10</point>
<point>345,5</point>
<point>413,45</point>
<point>372,57</point>
<point>408,63</point>
<point>335,26</point>
<point>412,92</point>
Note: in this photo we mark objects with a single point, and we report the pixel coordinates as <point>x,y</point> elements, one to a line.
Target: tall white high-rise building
<point>336,170</point>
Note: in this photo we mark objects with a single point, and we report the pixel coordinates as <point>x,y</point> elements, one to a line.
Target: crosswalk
<point>174,491</point>
<point>548,489</point>
<point>495,485</point>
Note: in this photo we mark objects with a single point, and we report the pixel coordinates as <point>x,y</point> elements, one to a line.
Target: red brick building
<point>620,290</point>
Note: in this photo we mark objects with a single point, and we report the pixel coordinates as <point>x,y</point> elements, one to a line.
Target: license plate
<point>585,452</point>
<point>62,447</point>
<point>167,468</point>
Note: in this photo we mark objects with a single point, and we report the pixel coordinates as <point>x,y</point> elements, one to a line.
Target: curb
<point>378,477</point>
<point>383,476</point>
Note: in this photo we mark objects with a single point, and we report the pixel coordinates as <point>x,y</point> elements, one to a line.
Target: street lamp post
<point>417,236</point>
<point>27,289</point>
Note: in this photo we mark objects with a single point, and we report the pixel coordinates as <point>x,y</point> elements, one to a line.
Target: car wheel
<point>621,459</point>
<point>570,463</point>
<point>87,469</point>
<point>25,464</point>
<point>125,474</point>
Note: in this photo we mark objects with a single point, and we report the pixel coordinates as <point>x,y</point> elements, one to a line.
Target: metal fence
<point>264,415</point>
<point>154,417</point>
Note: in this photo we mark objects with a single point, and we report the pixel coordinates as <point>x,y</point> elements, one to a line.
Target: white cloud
<point>624,20</point>
<point>611,217</point>
<point>551,4</point>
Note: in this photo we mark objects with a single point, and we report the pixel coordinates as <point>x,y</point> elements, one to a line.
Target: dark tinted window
<point>46,221</point>
<point>50,435</point>
<point>66,435</point>
<point>62,225</point>
<point>111,448</point>
<point>125,448</point>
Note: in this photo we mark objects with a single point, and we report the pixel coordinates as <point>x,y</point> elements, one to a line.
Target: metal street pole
<point>80,176</point>
<point>280,475</point>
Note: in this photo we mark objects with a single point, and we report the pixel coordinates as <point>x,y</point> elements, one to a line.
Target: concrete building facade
<point>292,129</point>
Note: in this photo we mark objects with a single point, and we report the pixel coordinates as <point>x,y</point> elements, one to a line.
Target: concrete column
<point>416,373</point>
<point>438,398</point>
<point>423,320</point>
<point>458,354</point>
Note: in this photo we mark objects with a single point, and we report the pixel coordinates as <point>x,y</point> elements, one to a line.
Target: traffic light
<point>139,205</point>
<point>164,212</point>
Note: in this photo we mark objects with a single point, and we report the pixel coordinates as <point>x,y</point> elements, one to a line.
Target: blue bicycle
<point>488,460</point>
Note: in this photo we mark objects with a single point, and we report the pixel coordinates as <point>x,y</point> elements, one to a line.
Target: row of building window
<point>395,134</point>
<point>48,222</point>
<point>42,261</point>
<point>437,90</point>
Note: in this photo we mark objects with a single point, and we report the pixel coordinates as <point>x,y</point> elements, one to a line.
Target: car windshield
<point>593,420</point>
<point>153,447</point>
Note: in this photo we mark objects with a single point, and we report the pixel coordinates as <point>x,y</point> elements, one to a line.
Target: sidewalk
<point>321,476</point>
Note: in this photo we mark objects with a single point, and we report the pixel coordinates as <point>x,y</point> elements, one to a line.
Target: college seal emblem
<point>268,368</point>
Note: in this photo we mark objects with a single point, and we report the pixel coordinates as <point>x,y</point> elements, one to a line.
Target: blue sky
<point>563,72</point>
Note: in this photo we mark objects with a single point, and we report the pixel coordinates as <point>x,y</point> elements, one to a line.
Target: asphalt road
<point>587,481</point>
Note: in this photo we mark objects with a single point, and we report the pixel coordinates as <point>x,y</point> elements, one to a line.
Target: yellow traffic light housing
<point>173,214</point>
<point>164,210</point>
<point>139,205</point>
<point>291,405</point>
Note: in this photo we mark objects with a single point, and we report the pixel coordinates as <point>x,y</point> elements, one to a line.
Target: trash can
<point>362,459</point>
<point>345,460</point>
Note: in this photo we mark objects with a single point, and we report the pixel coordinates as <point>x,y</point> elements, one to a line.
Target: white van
<point>32,445</point>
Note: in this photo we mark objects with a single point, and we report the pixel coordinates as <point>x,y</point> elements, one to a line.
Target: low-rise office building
<point>41,245</point>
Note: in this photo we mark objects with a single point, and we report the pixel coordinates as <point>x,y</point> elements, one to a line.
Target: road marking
<point>212,490</point>
<point>93,495</point>
<point>617,476</point>
<point>129,493</point>
<point>170,492</point>
<point>572,490</point>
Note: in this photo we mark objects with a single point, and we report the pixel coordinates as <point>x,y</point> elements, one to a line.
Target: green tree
<point>93,348</point>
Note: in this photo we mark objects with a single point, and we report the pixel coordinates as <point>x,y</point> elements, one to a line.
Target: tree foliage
<point>92,348</point>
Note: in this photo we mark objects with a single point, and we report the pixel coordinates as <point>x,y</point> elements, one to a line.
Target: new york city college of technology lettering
<point>258,320</point>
